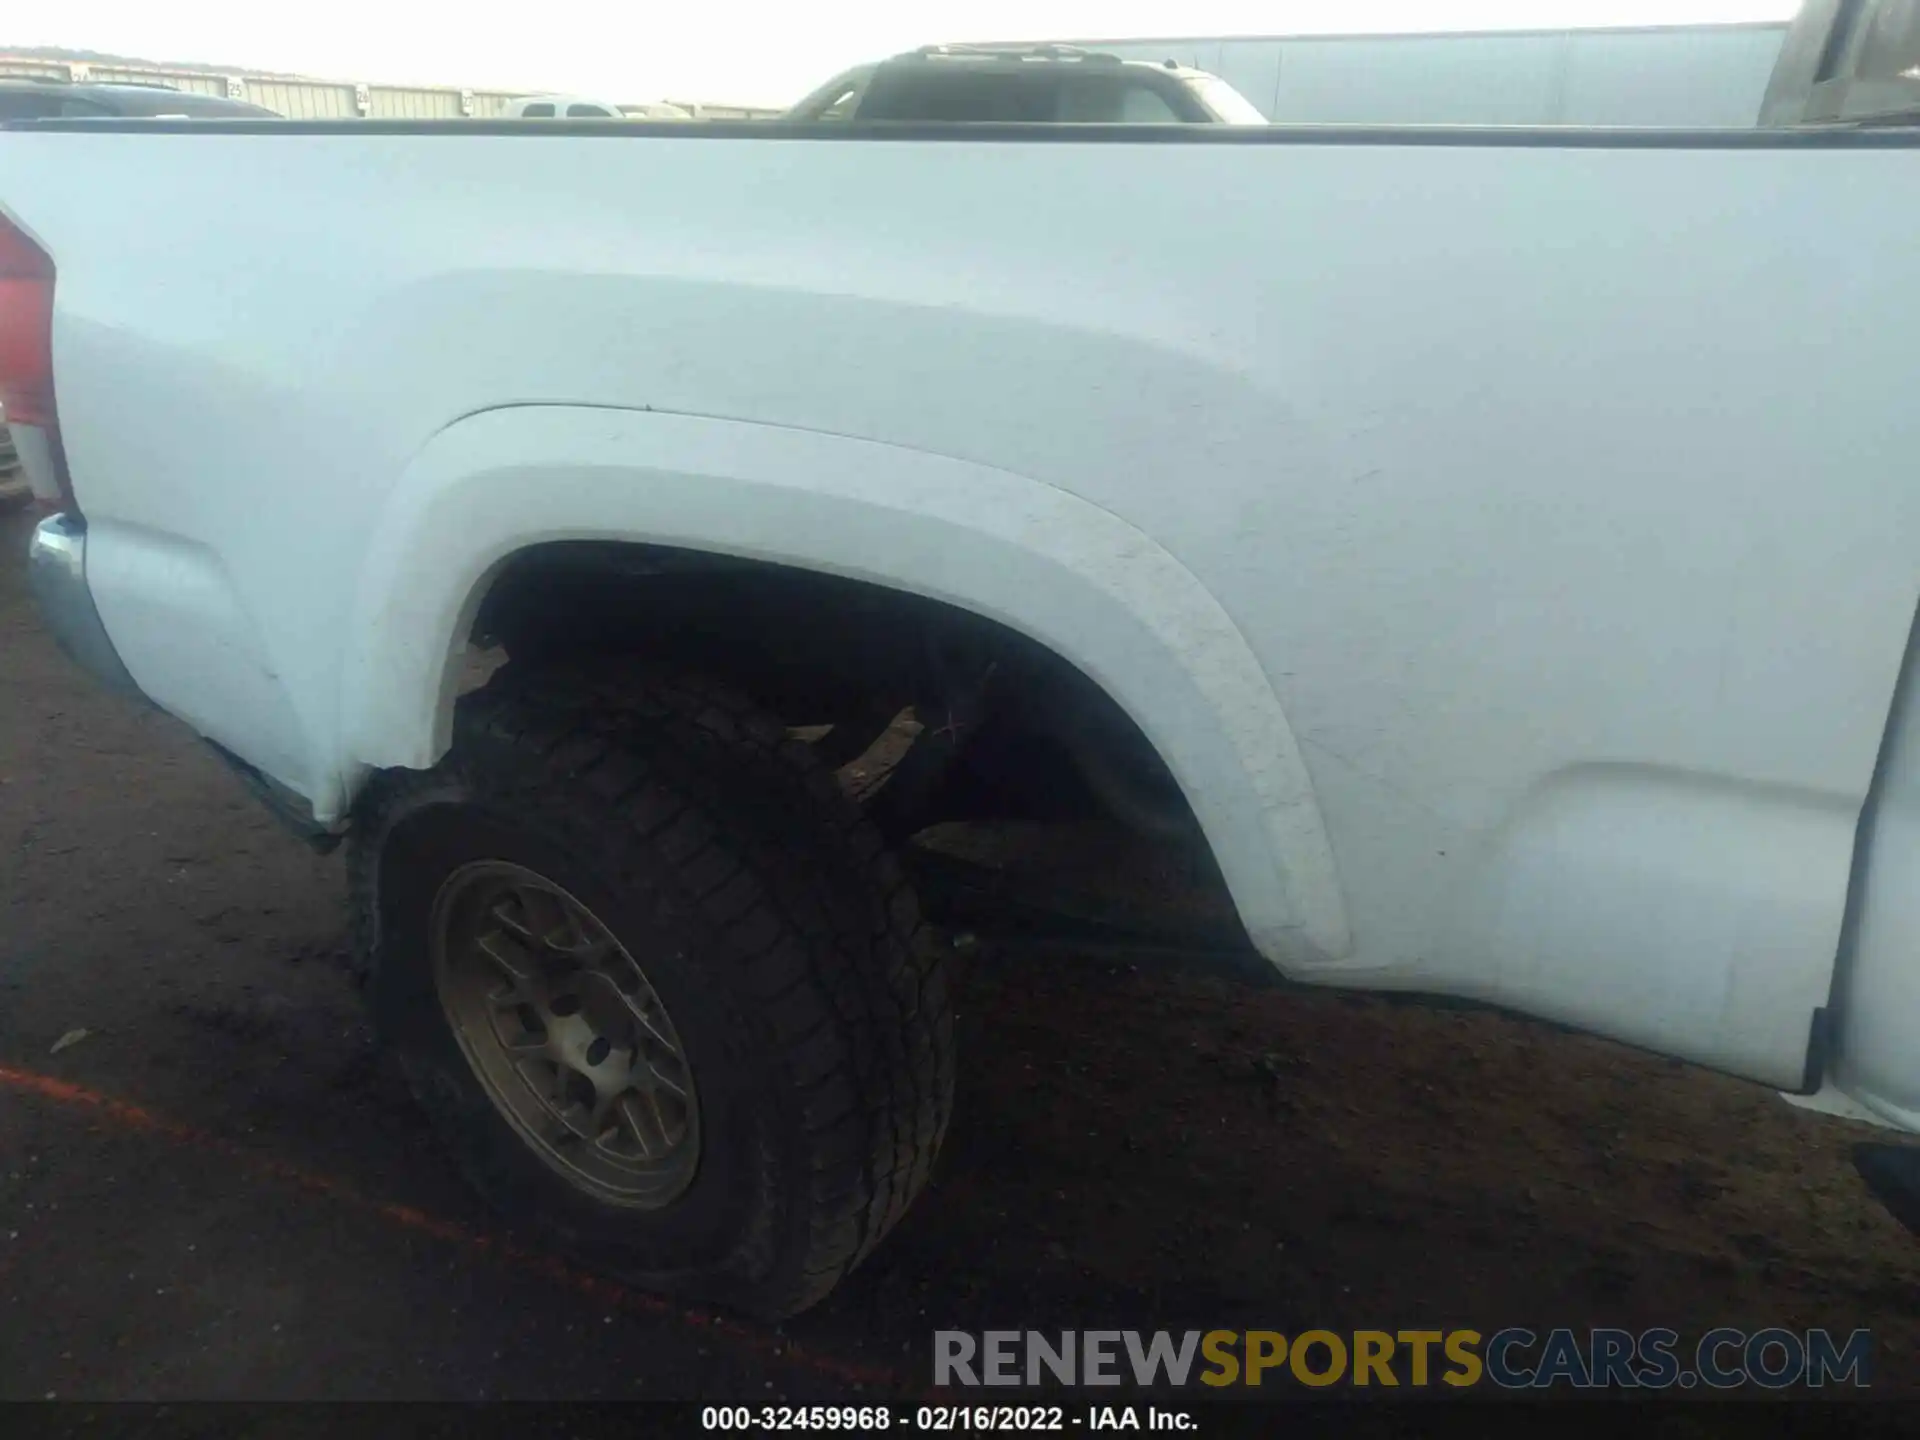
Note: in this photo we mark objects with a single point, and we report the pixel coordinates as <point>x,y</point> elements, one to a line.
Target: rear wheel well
<point>1024,729</point>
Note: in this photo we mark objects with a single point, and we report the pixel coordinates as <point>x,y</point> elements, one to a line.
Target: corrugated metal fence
<point>295,98</point>
<point>302,99</point>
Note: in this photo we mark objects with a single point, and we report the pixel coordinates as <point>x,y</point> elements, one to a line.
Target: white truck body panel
<point>1511,546</point>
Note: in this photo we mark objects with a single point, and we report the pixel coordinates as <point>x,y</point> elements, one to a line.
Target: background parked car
<point>1049,84</point>
<point>560,107</point>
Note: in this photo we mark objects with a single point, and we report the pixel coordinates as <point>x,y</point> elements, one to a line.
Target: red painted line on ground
<point>138,1118</point>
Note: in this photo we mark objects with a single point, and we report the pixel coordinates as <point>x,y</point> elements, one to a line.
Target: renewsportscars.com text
<point>1514,1358</point>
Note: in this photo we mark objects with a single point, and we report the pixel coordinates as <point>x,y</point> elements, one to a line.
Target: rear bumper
<point>57,576</point>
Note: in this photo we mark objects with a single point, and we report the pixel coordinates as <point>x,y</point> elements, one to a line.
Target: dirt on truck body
<point>226,1157</point>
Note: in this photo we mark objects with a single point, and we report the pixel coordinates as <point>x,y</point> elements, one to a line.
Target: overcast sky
<point>724,50</point>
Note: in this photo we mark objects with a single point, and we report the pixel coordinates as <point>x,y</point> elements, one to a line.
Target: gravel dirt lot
<point>222,1192</point>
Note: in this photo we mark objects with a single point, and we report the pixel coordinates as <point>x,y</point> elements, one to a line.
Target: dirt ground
<point>221,1191</point>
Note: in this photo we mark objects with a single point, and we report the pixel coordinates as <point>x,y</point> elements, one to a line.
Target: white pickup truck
<point>1501,546</point>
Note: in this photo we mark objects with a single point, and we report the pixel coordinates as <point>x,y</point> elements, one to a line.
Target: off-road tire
<point>769,916</point>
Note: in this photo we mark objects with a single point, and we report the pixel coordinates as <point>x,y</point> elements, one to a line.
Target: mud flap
<point>1892,1172</point>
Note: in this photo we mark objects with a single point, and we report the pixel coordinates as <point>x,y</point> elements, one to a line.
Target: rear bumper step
<point>57,576</point>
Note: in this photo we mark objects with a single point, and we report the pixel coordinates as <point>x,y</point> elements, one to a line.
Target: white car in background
<point>560,107</point>
<point>574,107</point>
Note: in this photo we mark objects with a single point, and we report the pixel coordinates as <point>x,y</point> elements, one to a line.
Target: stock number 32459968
<point>934,1418</point>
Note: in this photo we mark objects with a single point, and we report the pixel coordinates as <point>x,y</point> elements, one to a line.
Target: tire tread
<point>715,807</point>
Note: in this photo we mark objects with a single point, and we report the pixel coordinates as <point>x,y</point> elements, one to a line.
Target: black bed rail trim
<point>1822,137</point>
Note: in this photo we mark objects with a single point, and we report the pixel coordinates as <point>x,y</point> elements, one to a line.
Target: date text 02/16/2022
<point>938,1419</point>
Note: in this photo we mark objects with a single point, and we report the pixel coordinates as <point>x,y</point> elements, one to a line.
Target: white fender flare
<point>1057,568</point>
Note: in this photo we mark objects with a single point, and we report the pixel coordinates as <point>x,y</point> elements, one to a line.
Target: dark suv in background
<point>30,99</point>
<point>1047,84</point>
